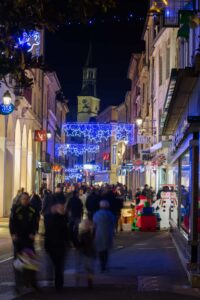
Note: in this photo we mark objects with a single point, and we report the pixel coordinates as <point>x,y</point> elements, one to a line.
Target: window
<point>160,71</point>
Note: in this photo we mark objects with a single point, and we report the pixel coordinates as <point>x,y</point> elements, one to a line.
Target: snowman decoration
<point>166,206</point>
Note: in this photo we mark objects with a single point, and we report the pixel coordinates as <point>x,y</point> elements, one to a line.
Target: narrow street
<point>142,266</point>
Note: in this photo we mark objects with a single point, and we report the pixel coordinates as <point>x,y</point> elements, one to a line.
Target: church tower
<point>88,103</point>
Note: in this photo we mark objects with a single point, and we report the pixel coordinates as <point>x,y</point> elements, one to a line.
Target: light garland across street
<point>98,132</point>
<point>76,149</point>
<point>85,167</point>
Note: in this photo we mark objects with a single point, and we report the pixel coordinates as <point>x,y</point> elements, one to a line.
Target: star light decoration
<point>72,176</point>
<point>76,149</point>
<point>85,167</point>
<point>98,132</point>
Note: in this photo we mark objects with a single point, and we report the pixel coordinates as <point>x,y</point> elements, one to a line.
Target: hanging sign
<point>106,156</point>
<point>40,136</point>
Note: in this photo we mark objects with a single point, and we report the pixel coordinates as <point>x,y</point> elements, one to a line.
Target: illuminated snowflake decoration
<point>98,132</point>
<point>30,41</point>
<point>76,149</point>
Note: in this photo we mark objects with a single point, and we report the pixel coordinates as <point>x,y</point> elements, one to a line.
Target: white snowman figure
<point>165,204</point>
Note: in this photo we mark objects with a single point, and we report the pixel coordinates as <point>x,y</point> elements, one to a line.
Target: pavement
<point>142,266</point>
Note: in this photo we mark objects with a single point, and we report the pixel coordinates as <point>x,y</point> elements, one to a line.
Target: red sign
<point>106,156</point>
<point>40,136</point>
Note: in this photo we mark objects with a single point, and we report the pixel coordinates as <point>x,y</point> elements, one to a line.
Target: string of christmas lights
<point>76,176</point>
<point>97,132</point>
<point>114,19</point>
<point>76,149</point>
<point>85,167</point>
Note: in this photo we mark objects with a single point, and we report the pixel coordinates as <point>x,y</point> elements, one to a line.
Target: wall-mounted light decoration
<point>30,41</point>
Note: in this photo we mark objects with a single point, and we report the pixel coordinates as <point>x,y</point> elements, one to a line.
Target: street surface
<point>142,266</point>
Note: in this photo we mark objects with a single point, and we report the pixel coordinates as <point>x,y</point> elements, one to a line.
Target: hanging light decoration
<point>98,132</point>
<point>72,176</point>
<point>76,149</point>
<point>85,167</point>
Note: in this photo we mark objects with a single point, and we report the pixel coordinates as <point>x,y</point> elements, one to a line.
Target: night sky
<point>114,38</point>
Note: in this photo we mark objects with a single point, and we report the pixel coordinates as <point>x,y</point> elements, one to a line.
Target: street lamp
<point>7,98</point>
<point>6,107</point>
<point>139,121</point>
<point>49,135</point>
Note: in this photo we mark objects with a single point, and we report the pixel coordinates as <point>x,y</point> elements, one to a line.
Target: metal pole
<point>194,195</point>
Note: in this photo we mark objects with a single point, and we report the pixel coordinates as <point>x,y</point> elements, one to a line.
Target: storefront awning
<point>180,87</point>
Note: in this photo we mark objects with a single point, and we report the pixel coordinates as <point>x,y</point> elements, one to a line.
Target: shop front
<point>181,122</point>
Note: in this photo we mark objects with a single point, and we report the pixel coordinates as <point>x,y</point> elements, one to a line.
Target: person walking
<point>56,236</point>
<point>47,202</point>
<point>16,200</point>
<point>104,223</point>
<point>36,203</point>
<point>74,214</point>
<point>82,197</point>
<point>23,224</point>
<point>92,203</point>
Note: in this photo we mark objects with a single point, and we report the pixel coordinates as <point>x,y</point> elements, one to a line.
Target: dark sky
<point>114,38</point>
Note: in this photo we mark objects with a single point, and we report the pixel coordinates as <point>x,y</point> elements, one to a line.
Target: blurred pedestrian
<point>59,196</point>
<point>16,200</point>
<point>23,226</point>
<point>104,223</point>
<point>56,237</point>
<point>92,203</point>
<point>74,212</point>
<point>137,196</point>
<point>36,203</point>
<point>47,202</point>
<point>86,251</point>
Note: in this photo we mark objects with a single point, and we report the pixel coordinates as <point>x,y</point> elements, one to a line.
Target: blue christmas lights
<point>98,132</point>
<point>6,109</point>
<point>82,168</point>
<point>30,41</point>
<point>76,149</point>
<point>76,176</point>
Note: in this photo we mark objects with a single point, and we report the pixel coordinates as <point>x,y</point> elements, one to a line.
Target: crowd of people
<point>78,216</point>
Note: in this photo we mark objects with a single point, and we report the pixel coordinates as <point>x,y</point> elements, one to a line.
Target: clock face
<point>85,105</point>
